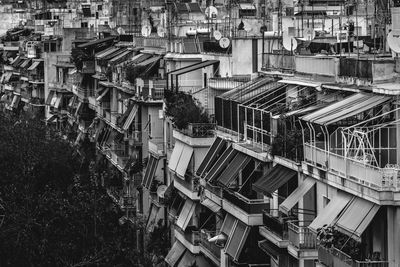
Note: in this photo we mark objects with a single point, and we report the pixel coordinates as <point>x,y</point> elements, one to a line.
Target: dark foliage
<point>56,213</point>
<point>183,109</point>
<point>78,56</point>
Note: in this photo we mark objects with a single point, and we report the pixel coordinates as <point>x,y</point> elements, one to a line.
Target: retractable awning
<point>175,253</point>
<point>194,67</point>
<point>296,195</point>
<point>180,158</point>
<point>237,238</point>
<point>221,164</point>
<point>227,224</point>
<point>186,214</point>
<point>106,52</point>
<point>346,108</point>
<point>50,97</point>
<point>15,101</point>
<point>130,118</point>
<point>151,219</point>
<point>25,63</point>
<point>187,260</point>
<point>58,100</point>
<point>52,118</point>
<point>216,149</point>
<point>274,179</point>
<point>214,207</point>
<point>34,65</point>
<point>117,59</point>
<point>239,162</point>
<point>331,211</point>
<point>150,171</point>
<point>103,94</point>
<point>139,58</point>
<point>148,61</point>
<point>356,217</point>
<point>176,154</point>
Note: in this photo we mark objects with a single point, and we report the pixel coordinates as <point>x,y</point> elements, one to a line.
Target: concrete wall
<point>243,53</point>
<point>9,19</point>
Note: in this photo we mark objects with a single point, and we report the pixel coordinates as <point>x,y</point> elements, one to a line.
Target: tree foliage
<point>56,213</point>
<point>183,109</point>
<point>78,56</point>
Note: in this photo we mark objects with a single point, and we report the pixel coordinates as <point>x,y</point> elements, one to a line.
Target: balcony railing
<point>327,66</point>
<point>209,246</point>
<point>216,190</point>
<point>156,145</point>
<point>333,257</point>
<point>276,225</point>
<point>190,182</point>
<point>193,237</point>
<point>199,130</point>
<point>352,169</point>
<point>284,63</point>
<point>250,206</point>
<point>156,42</point>
<point>301,236</point>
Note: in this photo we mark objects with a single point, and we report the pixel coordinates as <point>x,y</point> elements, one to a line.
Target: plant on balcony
<point>288,143</point>
<point>78,56</point>
<point>133,71</point>
<point>183,109</point>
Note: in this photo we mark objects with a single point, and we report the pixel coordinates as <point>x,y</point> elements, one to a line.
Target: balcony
<point>156,146</point>
<point>122,199</point>
<point>153,42</point>
<point>210,249</point>
<point>317,65</point>
<point>349,172</point>
<point>116,157</point>
<point>247,210</point>
<point>199,130</point>
<point>302,242</point>
<point>188,186</point>
<point>275,229</point>
<point>36,79</point>
<point>333,257</point>
<point>59,87</point>
<point>279,62</point>
<point>190,239</point>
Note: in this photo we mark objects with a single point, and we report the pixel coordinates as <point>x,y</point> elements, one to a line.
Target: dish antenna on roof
<point>211,12</point>
<point>217,35</point>
<point>393,40</point>
<point>224,42</point>
<point>120,30</point>
<point>289,43</point>
<point>146,30</point>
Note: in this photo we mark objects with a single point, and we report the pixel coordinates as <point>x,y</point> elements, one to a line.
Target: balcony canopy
<point>180,158</point>
<point>212,155</point>
<point>106,52</point>
<point>346,108</point>
<point>231,172</point>
<point>296,195</point>
<point>211,205</point>
<point>96,43</point>
<point>356,217</point>
<point>151,219</point>
<point>186,214</point>
<point>120,57</point>
<point>130,118</point>
<point>175,253</point>
<point>34,65</point>
<point>274,179</point>
<point>331,211</point>
<point>150,171</point>
<point>221,164</point>
<point>236,239</point>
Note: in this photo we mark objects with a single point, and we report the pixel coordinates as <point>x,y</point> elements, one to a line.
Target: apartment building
<point>297,164</point>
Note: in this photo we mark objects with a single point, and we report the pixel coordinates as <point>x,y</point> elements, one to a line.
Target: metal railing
<point>190,182</point>
<point>193,237</point>
<point>199,130</point>
<point>333,257</point>
<point>216,190</point>
<point>276,225</point>
<point>250,206</point>
<point>352,169</point>
<point>281,62</point>
<point>209,246</point>
<point>301,236</point>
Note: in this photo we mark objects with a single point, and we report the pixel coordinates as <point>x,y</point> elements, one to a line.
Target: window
<point>56,17</point>
<point>84,24</point>
<point>106,22</point>
<point>149,125</point>
<point>99,7</point>
<point>53,47</point>
<point>325,201</point>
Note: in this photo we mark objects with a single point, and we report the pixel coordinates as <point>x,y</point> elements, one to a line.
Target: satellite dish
<point>105,11</point>
<point>393,40</point>
<point>120,30</point>
<point>289,43</point>
<point>224,42</point>
<point>160,31</point>
<point>211,12</point>
<point>217,35</point>
<point>146,30</point>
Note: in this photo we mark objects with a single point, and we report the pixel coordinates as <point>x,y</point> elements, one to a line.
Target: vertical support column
<point>398,130</point>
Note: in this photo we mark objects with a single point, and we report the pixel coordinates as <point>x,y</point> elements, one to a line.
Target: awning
<point>236,240</point>
<point>151,219</point>
<point>301,83</point>
<point>148,61</point>
<point>331,211</point>
<point>184,160</point>
<point>100,97</point>
<point>96,42</point>
<point>150,171</point>
<point>296,195</point>
<point>34,65</point>
<point>78,108</point>
<point>79,138</point>
<point>52,118</point>
<point>175,253</point>
<point>176,154</point>
<point>194,67</point>
<point>356,217</point>
<point>228,224</point>
<point>221,164</point>
<point>106,52</point>
<point>53,100</point>
<point>214,207</point>
<point>115,60</point>
<point>106,84</point>
<point>58,100</point>
<point>25,63</point>
<point>346,108</point>
<point>7,77</point>
<point>186,214</point>
<point>246,6</point>
<point>139,58</point>
<point>15,101</point>
<point>274,179</point>
<point>213,153</point>
<point>304,111</point>
<point>271,249</point>
<point>50,97</point>
<point>187,260</point>
<point>228,175</point>
<point>130,118</point>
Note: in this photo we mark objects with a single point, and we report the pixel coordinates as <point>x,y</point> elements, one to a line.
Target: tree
<point>56,212</point>
<point>184,109</point>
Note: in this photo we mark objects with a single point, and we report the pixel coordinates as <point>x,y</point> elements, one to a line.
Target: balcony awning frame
<point>296,195</point>
<point>150,172</point>
<point>175,253</point>
<point>218,146</point>
<point>186,214</point>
